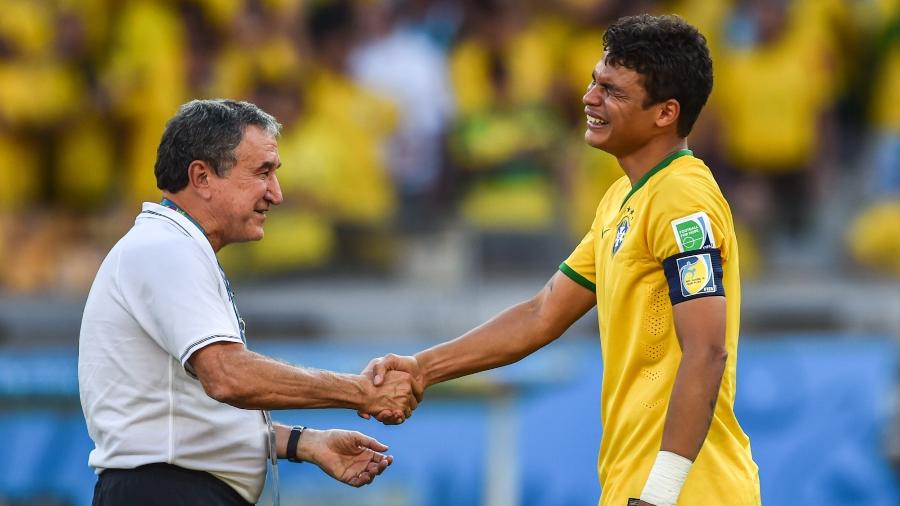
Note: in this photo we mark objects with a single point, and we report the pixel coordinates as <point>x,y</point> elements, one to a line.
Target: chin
<point>253,235</point>
<point>593,142</point>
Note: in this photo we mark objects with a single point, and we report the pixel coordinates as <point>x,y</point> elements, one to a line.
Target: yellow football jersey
<point>674,216</point>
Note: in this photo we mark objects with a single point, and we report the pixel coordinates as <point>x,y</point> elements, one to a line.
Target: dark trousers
<point>163,485</point>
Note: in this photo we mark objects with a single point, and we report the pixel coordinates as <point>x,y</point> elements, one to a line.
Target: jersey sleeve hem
<point>578,278</point>
<point>202,343</point>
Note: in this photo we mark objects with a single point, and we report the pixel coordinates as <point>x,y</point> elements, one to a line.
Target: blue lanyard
<point>175,207</point>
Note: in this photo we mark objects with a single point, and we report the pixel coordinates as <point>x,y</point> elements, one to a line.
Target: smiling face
<point>617,121</point>
<point>242,197</point>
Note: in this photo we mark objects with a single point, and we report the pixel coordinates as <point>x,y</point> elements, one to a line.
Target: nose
<point>592,96</point>
<point>273,193</point>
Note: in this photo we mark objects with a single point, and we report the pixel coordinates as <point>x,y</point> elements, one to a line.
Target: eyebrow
<point>608,85</point>
<point>268,165</point>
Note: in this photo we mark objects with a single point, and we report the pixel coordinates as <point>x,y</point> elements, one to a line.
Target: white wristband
<point>666,478</point>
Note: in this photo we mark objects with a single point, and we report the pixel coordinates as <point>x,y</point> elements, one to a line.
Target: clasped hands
<point>392,388</point>
<point>398,387</point>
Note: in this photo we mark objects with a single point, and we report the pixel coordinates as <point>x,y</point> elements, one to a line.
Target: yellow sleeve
<point>690,234</point>
<point>689,214</point>
<point>580,266</point>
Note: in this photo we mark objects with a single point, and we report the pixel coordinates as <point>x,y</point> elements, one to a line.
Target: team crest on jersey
<point>621,230</point>
<point>696,275</point>
<point>693,232</point>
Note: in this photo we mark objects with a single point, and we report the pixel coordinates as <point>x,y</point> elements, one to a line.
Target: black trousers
<point>163,485</point>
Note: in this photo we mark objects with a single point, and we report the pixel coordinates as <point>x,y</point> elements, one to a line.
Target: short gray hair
<point>207,130</point>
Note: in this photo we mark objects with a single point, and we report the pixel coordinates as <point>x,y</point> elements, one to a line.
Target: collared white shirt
<point>158,297</point>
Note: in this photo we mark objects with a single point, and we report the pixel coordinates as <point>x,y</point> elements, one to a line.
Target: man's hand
<point>349,457</point>
<point>377,371</point>
<point>393,400</point>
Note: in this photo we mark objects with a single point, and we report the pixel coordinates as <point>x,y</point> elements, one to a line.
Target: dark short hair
<point>670,54</point>
<point>207,130</point>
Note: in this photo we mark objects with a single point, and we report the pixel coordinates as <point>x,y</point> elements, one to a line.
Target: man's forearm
<point>249,380</point>
<point>693,401</point>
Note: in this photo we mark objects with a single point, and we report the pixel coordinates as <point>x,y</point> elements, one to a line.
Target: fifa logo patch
<point>693,232</point>
<point>696,275</point>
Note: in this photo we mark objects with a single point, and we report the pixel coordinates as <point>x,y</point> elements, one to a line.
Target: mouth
<point>595,122</point>
<point>261,212</point>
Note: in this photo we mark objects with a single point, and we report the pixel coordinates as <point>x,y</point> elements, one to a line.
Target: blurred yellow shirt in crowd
<point>529,61</point>
<point>873,239</point>
<point>334,152</point>
<point>885,110</point>
<point>85,165</point>
<point>147,82</point>
<point>770,100</point>
<point>19,173</point>
<point>28,24</point>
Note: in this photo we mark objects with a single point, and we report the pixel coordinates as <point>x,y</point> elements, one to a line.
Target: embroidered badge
<point>693,232</point>
<point>696,275</point>
<point>621,230</point>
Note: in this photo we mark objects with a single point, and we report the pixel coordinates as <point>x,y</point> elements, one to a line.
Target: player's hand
<point>393,400</point>
<point>378,368</point>
<point>349,457</point>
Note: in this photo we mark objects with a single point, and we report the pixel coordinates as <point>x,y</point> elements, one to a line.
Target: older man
<point>176,404</point>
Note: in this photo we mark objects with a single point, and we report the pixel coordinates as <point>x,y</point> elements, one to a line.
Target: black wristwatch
<point>293,439</point>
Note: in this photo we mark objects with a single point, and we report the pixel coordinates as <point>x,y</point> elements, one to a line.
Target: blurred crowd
<point>405,117</point>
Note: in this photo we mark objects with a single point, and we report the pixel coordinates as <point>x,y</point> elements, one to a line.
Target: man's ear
<point>199,175</point>
<point>668,113</point>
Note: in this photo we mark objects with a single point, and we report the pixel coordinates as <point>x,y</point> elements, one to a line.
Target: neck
<point>199,215</point>
<point>640,162</point>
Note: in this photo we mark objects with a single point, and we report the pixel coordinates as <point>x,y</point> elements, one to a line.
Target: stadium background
<point>434,173</point>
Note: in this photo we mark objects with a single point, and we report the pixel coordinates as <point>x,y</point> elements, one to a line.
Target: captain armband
<point>694,274</point>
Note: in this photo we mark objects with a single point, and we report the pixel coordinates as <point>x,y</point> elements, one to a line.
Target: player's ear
<point>199,174</point>
<point>668,112</point>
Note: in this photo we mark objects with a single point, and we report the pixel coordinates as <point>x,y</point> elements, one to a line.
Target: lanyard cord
<point>165,202</point>
<point>267,416</point>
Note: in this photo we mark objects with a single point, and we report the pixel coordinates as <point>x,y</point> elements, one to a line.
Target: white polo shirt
<point>158,297</point>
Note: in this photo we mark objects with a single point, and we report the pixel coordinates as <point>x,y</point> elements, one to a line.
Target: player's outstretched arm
<point>508,337</point>
<point>347,456</point>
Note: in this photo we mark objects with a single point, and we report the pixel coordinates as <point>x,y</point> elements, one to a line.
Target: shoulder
<point>688,184</point>
<point>620,187</point>
<point>156,248</point>
<point>689,211</point>
<point>616,193</point>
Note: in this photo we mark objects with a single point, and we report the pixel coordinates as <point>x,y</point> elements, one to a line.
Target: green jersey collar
<point>660,166</point>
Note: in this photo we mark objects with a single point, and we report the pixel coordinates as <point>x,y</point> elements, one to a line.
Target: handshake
<point>394,385</point>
